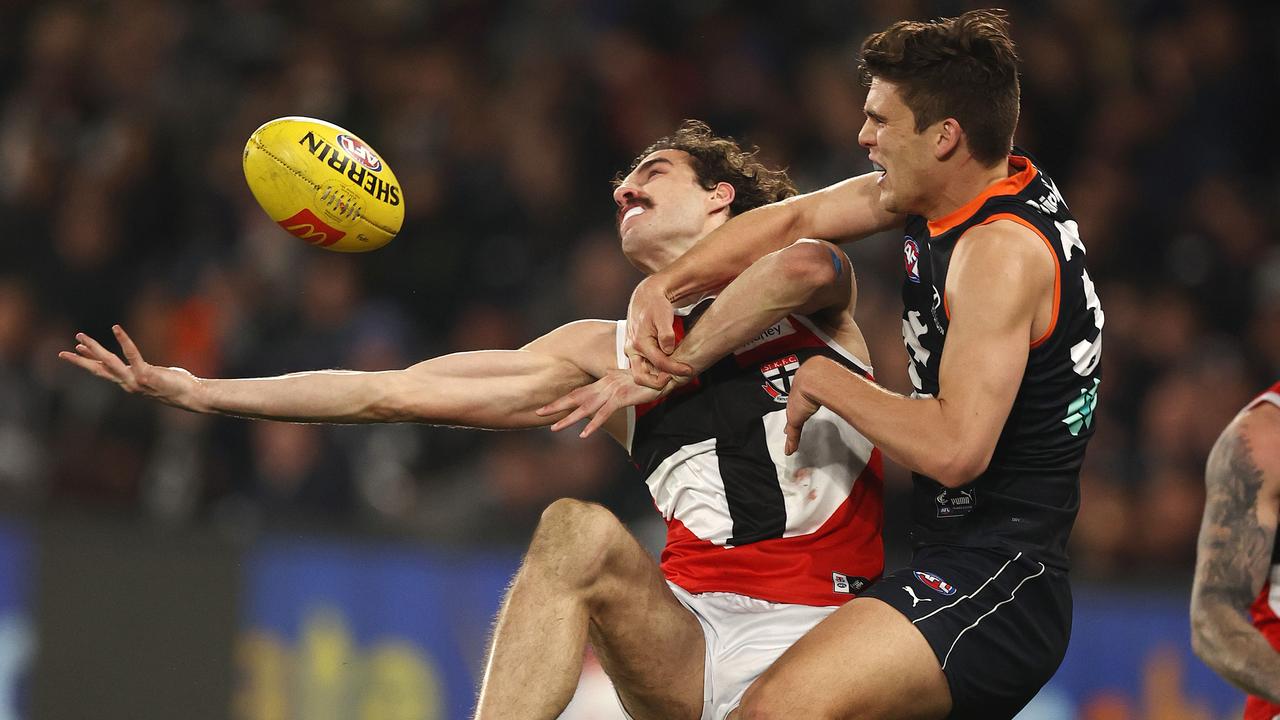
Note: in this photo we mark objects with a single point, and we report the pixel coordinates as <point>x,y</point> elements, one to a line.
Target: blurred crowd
<point>121,129</point>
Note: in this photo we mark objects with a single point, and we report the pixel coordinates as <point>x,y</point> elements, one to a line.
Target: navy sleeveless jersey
<point>1028,497</point>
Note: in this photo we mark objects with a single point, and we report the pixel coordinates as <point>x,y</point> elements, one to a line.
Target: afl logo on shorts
<point>935,582</point>
<point>360,152</point>
<point>911,255</point>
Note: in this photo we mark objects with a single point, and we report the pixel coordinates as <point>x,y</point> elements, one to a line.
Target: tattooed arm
<point>1234,554</point>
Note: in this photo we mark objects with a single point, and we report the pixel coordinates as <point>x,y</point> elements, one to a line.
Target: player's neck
<point>967,183</point>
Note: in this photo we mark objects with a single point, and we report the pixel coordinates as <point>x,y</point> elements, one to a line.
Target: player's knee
<point>574,540</point>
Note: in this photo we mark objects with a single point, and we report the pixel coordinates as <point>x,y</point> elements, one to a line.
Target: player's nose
<point>624,193</point>
<point>867,135</point>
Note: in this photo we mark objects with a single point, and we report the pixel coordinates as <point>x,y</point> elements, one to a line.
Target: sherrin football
<point>323,184</point>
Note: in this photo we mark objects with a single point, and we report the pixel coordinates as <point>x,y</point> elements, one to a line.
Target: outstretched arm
<point>848,210</point>
<point>494,389</point>
<point>1242,482</point>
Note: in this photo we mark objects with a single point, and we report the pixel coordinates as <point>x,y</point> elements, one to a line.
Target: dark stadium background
<point>148,552</point>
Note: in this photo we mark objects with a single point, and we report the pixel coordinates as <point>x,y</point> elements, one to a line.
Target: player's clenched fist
<point>170,385</point>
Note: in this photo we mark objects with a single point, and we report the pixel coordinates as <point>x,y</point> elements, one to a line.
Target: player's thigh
<point>864,661</point>
<point>651,646</point>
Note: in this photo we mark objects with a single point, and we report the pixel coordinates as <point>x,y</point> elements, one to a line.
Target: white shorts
<point>744,636</point>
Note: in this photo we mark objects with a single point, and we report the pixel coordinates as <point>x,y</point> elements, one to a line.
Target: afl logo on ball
<point>911,255</point>
<point>360,152</point>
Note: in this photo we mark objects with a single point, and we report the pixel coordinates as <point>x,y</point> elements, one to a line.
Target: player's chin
<point>633,246</point>
<point>888,201</point>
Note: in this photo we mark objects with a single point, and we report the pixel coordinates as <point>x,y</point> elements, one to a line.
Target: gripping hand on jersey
<point>650,337</point>
<point>601,399</point>
<point>172,386</point>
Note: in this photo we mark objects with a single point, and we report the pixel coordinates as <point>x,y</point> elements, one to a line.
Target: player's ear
<point>946,138</point>
<point>722,196</point>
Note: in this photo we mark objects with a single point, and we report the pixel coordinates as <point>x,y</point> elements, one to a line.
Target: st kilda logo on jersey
<point>777,377</point>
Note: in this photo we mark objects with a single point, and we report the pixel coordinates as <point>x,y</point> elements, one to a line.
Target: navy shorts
<point>997,621</point>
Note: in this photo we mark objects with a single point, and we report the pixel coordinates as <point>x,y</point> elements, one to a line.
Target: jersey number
<point>912,329</point>
<point>1086,353</point>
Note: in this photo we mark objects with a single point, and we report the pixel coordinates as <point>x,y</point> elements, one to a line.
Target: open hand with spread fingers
<point>170,385</point>
<point>600,400</point>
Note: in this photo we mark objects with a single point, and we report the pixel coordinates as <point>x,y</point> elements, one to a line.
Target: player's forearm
<point>729,250</point>
<point>496,389</point>
<point>332,396</point>
<point>1226,642</point>
<point>777,285</point>
<point>916,433</point>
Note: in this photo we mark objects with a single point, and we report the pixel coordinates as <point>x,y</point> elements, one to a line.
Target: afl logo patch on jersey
<point>936,583</point>
<point>911,256</point>
<point>777,377</point>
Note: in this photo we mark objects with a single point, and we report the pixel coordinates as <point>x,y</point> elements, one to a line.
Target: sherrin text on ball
<point>323,184</point>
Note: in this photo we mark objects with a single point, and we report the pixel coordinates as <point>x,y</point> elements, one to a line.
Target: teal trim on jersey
<point>1080,411</point>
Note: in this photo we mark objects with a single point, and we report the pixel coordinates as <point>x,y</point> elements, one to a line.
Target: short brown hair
<point>964,67</point>
<point>721,159</point>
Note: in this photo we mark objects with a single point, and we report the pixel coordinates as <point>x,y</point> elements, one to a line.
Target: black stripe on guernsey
<point>750,482</point>
<point>750,478</point>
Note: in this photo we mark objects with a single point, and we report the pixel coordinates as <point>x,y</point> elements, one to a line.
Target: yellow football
<point>323,184</point>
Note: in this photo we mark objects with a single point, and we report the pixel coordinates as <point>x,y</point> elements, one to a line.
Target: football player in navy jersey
<point>761,546</point>
<point>1004,331</point>
<point>1238,558</point>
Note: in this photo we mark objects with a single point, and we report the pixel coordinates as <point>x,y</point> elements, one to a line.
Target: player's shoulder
<point>1249,446</point>
<point>589,344</point>
<point>1258,428</point>
<point>1005,242</point>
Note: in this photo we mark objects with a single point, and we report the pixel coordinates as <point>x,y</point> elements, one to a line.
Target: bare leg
<point>866,661</point>
<point>585,574</point>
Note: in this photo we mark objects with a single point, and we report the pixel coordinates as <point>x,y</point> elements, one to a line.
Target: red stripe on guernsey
<point>794,570</point>
<point>1264,618</point>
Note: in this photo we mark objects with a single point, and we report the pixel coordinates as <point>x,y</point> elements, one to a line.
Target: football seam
<point>263,149</point>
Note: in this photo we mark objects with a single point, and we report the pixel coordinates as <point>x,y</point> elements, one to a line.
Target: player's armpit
<point>1001,277</point>
<point>1237,536</point>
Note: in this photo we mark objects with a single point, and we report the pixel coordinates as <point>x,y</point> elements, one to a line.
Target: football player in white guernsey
<point>1003,327</point>
<point>1238,558</point>
<point>584,577</point>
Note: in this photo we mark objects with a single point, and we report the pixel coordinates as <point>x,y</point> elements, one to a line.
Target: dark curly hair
<point>964,67</point>
<point>721,159</point>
